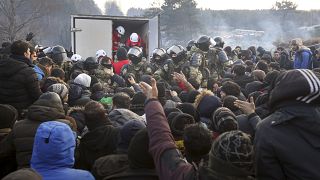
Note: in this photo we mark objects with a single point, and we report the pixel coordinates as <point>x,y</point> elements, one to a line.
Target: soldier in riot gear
<point>219,42</point>
<point>159,55</point>
<point>179,57</point>
<point>215,56</point>
<point>58,54</point>
<point>165,72</point>
<point>106,76</point>
<point>137,66</point>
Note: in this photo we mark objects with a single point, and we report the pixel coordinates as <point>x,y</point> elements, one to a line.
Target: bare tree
<point>17,15</point>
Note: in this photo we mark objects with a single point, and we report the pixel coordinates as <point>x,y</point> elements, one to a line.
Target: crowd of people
<point>204,111</point>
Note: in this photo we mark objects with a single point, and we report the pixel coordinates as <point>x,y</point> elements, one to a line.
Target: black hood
<point>47,108</point>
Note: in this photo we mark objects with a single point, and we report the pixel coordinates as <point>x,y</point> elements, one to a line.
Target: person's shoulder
<point>80,174</point>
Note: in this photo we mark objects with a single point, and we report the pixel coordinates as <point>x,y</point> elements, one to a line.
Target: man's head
<point>197,141</point>
<point>21,48</point>
<point>230,88</point>
<point>121,100</point>
<point>276,56</point>
<point>47,63</point>
<point>95,115</point>
<point>295,44</point>
<point>58,73</point>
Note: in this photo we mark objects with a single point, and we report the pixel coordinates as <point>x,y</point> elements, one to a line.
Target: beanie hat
<point>189,108</point>
<point>138,151</point>
<point>184,96</point>
<point>137,103</point>
<point>304,87</point>
<point>128,130</point>
<point>60,89</point>
<point>146,78</point>
<point>223,120</point>
<point>206,103</point>
<point>233,149</point>
<point>83,79</point>
<point>8,116</point>
<point>122,54</point>
<point>172,115</point>
<point>25,174</point>
<point>253,86</point>
<point>179,122</point>
<point>167,111</point>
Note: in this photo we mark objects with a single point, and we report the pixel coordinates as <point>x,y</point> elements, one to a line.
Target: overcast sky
<point>217,4</point>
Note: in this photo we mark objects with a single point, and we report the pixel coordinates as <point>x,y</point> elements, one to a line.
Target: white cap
<point>120,30</point>
<point>100,53</point>
<point>76,58</point>
<point>134,37</point>
<point>83,79</point>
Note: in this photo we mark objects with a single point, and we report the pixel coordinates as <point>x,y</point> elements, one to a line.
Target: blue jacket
<point>39,72</point>
<point>303,59</point>
<point>53,153</point>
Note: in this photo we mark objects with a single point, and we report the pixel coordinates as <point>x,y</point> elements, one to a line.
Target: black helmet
<point>91,63</point>
<point>204,42</point>
<point>135,54</point>
<point>58,54</point>
<point>190,44</point>
<point>177,53</point>
<point>168,65</point>
<point>219,41</point>
<point>196,59</point>
<point>158,55</point>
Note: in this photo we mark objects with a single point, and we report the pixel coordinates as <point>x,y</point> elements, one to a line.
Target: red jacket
<point>118,65</point>
<point>140,43</point>
<point>115,40</point>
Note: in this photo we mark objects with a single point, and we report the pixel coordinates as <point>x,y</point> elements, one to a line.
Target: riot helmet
<point>158,55</point>
<point>176,53</point>
<point>190,44</point>
<point>196,59</point>
<point>58,54</point>
<point>135,54</point>
<point>219,41</point>
<point>204,43</point>
<point>91,63</point>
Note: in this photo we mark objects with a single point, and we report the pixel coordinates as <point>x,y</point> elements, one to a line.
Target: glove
<point>29,36</point>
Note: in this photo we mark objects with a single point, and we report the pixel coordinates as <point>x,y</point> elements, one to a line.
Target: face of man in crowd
<point>33,56</point>
<point>276,56</point>
<point>27,54</point>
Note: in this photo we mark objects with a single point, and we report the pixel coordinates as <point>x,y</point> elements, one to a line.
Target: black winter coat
<point>19,141</point>
<point>19,84</point>
<point>287,143</point>
<point>99,142</point>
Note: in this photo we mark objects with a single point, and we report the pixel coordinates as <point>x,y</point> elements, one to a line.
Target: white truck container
<point>90,33</point>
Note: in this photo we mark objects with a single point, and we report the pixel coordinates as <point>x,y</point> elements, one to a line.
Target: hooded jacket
<point>19,142</point>
<point>303,58</point>
<point>53,153</point>
<point>119,117</point>
<point>287,143</point>
<point>19,84</point>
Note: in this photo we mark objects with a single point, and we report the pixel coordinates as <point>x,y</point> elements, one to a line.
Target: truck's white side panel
<point>153,34</point>
<point>93,34</point>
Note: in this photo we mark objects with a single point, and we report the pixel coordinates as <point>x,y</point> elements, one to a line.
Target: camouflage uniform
<point>137,70</point>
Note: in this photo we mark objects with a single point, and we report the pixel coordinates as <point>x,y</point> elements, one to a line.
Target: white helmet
<point>76,58</point>
<point>100,53</point>
<point>134,37</point>
<point>120,30</point>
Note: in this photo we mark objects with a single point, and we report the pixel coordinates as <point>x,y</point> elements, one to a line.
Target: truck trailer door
<point>90,35</point>
<point>153,34</point>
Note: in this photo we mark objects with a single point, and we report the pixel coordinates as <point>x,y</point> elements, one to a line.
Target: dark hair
<point>19,47</point>
<point>253,50</point>
<point>197,141</point>
<point>239,70</point>
<point>58,72</point>
<point>126,90</point>
<point>228,102</point>
<point>45,61</point>
<point>275,66</point>
<point>231,88</point>
<point>263,66</point>
<point>95,115</point>
<point>121,100</point>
